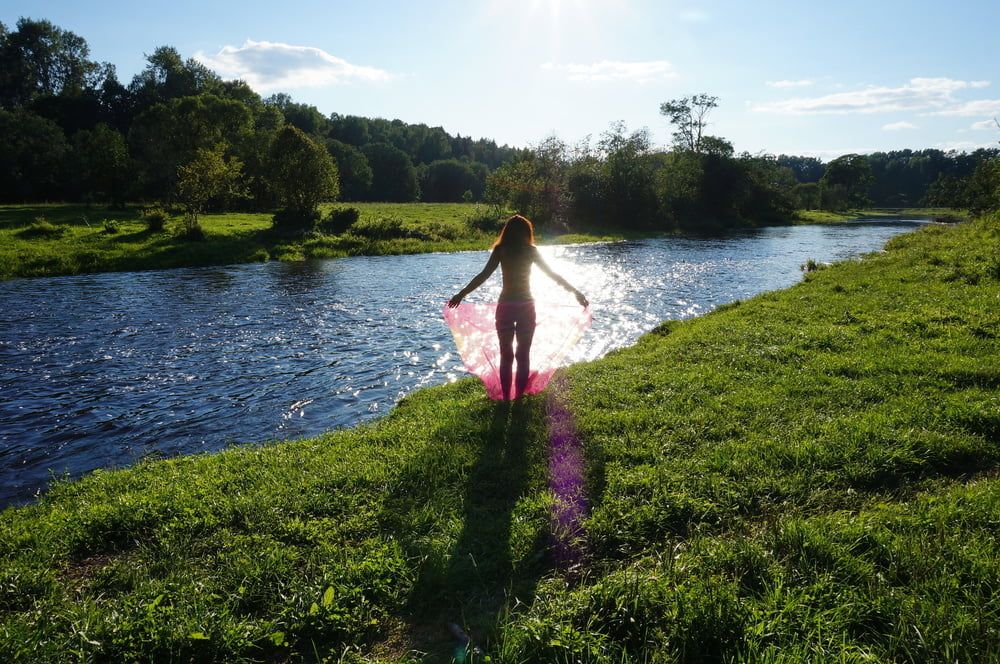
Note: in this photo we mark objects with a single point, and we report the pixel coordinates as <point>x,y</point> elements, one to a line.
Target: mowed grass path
<point>80,243</point>
<point>806,476</point>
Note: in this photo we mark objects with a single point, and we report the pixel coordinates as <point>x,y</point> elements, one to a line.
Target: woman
<point>515,251</point>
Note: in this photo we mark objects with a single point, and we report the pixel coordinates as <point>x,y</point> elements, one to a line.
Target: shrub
<point>295,220</point>
<point>155,218</point>
<point>42,228</point>
<point>110,227</point>
<point>387,228</point>
<point>485,220</point>
<point>190,228</point>
<point>340,220</point>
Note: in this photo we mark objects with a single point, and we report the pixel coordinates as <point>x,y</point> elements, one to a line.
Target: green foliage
<point>110,227</point>
<point>807,476</point>
<point>355,173</point>
<point>155,218</point>
<point>101,166</point>
<point>485,220</point>
<point>209,175</point>
<point>393,176</point>
<point>32,156</point>
<point>846,181</point>
<point>340,220</point>
<point>42,228</point>
<point>689,116</point>
<point>302,175</point>
<point>448,181</point>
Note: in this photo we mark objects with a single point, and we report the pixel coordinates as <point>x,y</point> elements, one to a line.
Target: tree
<point>39,59</point>
<point>101,164</point>
<point>302,175</point>
<point>208,175</point>
<point>32,157</point>
<point>849,176</point>
<point>167,135</point>
<point>446,180</point>
<point>393,176</point>
<point>689,115</point>
<point>355,173</point>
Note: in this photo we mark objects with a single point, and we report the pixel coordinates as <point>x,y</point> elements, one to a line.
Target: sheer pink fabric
<point>557,329</point>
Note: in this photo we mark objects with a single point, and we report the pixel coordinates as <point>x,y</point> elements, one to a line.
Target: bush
<point>110,227</point>
<point>340,220</point>
<point>190,229</point>
<point>485,220</point>
<point>296,220</point>
<point>155,218</point>
<point>42,228</point>
<point>387,228</point>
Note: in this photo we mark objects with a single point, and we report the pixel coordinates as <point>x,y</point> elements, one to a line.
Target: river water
<point>102,370</point>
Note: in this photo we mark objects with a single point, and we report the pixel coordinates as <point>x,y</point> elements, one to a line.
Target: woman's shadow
<point>499,554</point>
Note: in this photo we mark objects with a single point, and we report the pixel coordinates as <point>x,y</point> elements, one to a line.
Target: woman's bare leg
<point>525,333</point>
<point>506,338</point>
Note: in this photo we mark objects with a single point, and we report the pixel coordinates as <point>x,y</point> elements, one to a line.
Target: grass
<point>810,475</point>
<point>50,240</point>
<point>830,217</point>
<point>76,240</point>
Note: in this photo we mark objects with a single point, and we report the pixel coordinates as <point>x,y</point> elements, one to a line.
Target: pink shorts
<point>515,315</point>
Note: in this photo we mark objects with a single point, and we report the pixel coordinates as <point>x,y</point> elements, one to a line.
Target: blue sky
<point>794,77</point>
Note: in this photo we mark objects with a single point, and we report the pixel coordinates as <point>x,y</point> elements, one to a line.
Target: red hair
<point>517,231</point>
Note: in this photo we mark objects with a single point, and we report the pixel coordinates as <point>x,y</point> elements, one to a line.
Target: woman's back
<point>515,266</point>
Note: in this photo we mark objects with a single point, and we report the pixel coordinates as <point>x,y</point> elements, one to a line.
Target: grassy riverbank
<point>77,240</point>
<point>808,475</point>
<point>828,217</point>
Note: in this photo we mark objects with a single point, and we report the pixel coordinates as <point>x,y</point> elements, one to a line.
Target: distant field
<point>828,217</point>
<point>77,241</point>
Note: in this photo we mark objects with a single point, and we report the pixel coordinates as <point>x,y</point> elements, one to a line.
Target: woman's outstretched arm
<point>477,281</point>
<point>559,280</point>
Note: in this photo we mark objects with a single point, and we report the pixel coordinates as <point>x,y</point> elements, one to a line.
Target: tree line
<point>70,130</point>
<point>179,134</point>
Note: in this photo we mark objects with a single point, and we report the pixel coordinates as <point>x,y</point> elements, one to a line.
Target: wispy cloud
<point>268,65</point>
<point>896,126</point>
<point>985,124</point>
<point>963,146</point>
<point>789,84</point>
<point>616,70</point>
<point>919,94</point>
<point>971,109</point>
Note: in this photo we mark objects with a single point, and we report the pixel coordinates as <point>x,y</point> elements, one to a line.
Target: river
<point>102,370</point>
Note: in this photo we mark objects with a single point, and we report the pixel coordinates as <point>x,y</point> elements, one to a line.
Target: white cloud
<point>984,124</point>
<point>896,126</point>
<point>788,84</point>
<point>971,109</point>
<point>979,84</point>
<point>919,94</point>
<point>963,146</point>
<point>268,65</point>
<point>616,70</point>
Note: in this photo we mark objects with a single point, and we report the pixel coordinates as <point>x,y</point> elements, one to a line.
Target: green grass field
<point>79,242</point>
<point>810,475</point>
<point>828,217</point>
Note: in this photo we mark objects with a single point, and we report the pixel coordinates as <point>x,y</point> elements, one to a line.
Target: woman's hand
<point>455,301</point>
<point>582,300</point>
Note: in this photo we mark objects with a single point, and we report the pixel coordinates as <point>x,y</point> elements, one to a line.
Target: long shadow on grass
<point>499,554</point>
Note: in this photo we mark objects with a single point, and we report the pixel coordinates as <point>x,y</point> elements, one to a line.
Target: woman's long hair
<point>517,232</point>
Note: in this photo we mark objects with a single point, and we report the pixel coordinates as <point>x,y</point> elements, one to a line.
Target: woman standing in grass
<point>515,252</point>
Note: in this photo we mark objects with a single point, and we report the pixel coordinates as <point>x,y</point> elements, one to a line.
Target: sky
<point>792,77</point>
